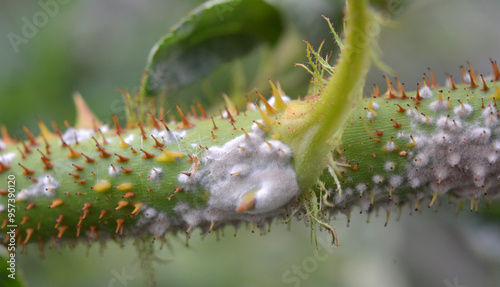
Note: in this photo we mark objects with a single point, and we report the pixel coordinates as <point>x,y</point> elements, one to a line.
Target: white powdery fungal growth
<point>160,224</point>
<point>425,119</point>
<point>460,157</point>
<point>247,178</point>
<point>395,181</point>
<point>440,105</point>
<point>463,110</point>
<point>364,203</point>
<point>426,92</point>
<point>45,186</point>
<point>129,139</point>
<point>152,221</point>
<point>389,166</point>
<point>7,158</point>
<point>457,153</point>
<point>168,136</point>
<point>377,179</point>
<point>412,113</point>
<point>147,216</point>
<point>72,135</point>
<point>2,145</point>
<point>390,146</point>
<point>361,187</point>
<point>272,100</point>
<point>113,170</point>
<point>489,115</point>
<point>190,215</point>
<point>155,173</point>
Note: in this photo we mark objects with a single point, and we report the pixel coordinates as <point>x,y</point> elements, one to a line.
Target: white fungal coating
<point>395,181</point>
<point>463,110</point>
<point>421,159</point>
<point>377,179</point>
<point>256,130</point>
<point>364,203</point>
<point>160,224</point>
<point>424,119</point>
<point>453,159</point>
<point>168,136</point>
<point>496,145</point>
<point>148,212</point>
<point>348,191</point>
<point>49,184</point>
<point>466,78</point>
<point>129,139</point>
<point>442,172</point>
<point>7,158</point>
<point>272,100</point>
<point>72,135</point>
<point>361,187</point>
<point>390,146</point>
<point>490,118</point>
<point>247,178</point>
<point>447,124</point>
<point>426,92</point>
<point>113,170</point>
<point>459,156</point>
<point>442,122</point>
<point>2,208</point>
<point>155,173</point>
<point>481,135</point>
<point>492,157</point>
<point>190,215</point>
<point>419,140</point>
<point>2,145</point>
<point>415,182</point>
<point>389,165</point>
<point>412,113</point>
<point>155,222</point>
<point>449,149</point>
<point>488,111</point>
<point>439,106</point>
<point>45,186</point>
<point>440,137</point>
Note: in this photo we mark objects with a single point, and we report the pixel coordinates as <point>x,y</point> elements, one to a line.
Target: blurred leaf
<point>214,33</point>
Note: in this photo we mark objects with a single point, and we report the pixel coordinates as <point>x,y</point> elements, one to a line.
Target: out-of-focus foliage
<point>214,33</point>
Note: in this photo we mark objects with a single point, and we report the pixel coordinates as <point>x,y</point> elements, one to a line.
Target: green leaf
<point>214,33</point>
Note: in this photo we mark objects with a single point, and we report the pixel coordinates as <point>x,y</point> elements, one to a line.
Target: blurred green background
<point>95,46</point>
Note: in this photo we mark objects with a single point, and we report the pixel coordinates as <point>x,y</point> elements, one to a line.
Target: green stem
<point>332,110</point>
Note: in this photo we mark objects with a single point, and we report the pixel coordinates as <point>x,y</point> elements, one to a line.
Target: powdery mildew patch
<point>458,156</point>
<point>7,158</point>
<point>247,178</point>
<point>46,186</point>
